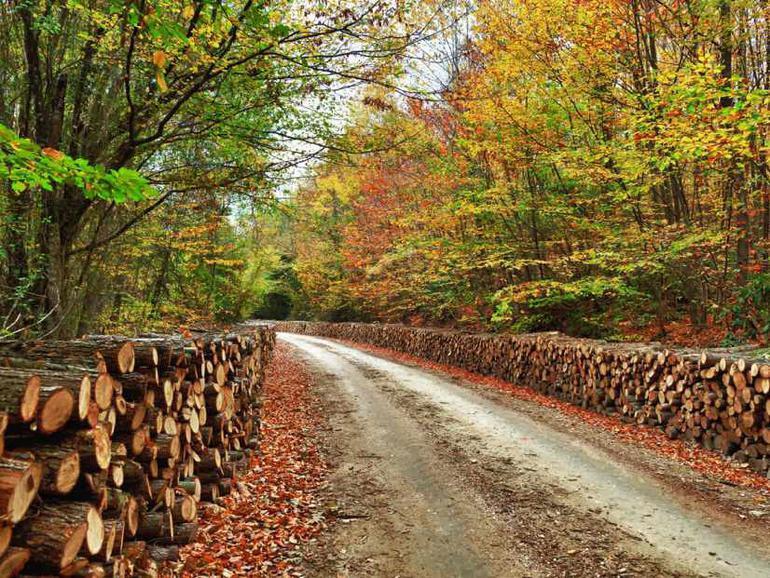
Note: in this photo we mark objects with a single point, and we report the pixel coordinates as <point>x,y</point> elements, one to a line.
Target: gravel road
<point>433,477</point>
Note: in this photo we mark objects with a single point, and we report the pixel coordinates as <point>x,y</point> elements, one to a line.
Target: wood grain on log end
<point>19,483</point>
<point>55,411</point>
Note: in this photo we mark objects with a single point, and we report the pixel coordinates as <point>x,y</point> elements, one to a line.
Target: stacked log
<point>718,398</point>
<point>108,444</point>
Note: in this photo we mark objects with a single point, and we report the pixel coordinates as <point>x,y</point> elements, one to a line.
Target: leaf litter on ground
<point>259,530</point>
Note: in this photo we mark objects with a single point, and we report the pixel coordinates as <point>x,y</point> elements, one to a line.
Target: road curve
<point>402,412</point>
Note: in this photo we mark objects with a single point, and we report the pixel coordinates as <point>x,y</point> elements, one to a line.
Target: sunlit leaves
<point>686,119</point>
<point>25,165</point>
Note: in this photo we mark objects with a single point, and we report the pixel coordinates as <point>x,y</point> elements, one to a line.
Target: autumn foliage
<point>595,167</point>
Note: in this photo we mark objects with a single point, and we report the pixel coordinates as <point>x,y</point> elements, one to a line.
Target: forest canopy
<point>597,167</point>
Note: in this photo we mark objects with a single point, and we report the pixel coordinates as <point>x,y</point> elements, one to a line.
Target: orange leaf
<point>159,58</point>
<point>161,81</point>
<point>53,153</point>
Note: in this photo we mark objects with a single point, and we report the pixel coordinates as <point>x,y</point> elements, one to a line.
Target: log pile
<point>108,444</point>
<point>718,398</point>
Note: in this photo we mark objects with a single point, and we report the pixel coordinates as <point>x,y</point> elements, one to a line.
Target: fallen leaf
<point>53,153</point>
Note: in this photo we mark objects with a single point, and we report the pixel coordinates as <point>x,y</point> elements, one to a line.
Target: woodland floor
<point>432,475</point>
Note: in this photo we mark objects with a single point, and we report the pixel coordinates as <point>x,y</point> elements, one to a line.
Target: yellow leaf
<point>161,81</point>
<point>188,11</point>
<point>159,58</point>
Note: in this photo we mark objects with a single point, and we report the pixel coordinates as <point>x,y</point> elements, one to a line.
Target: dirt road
<point>433,477</point>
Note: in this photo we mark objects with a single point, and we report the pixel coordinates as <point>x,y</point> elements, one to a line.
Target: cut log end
<point>132,517</point>
<point>186,508</point>
<point>121,360</point>
<point>84,398</point>
<point>30,399</point>
<point>121,406</point>
<point>102,446</point>
<point>109,542</point>
<point>137,419</point>
<point>138,441</point>
<point>73,545</point>
<point>103,391</point>
<point>95,531</point>
<point>18,487</point>
<point>116,475</point>
<point>68,473</point>
<point>56,411</point>
<point>126,358</point>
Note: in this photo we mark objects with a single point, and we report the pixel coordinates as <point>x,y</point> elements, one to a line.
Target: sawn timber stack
<point>108,444</point>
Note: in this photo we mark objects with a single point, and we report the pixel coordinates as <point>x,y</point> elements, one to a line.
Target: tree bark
<point>53,536</point>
